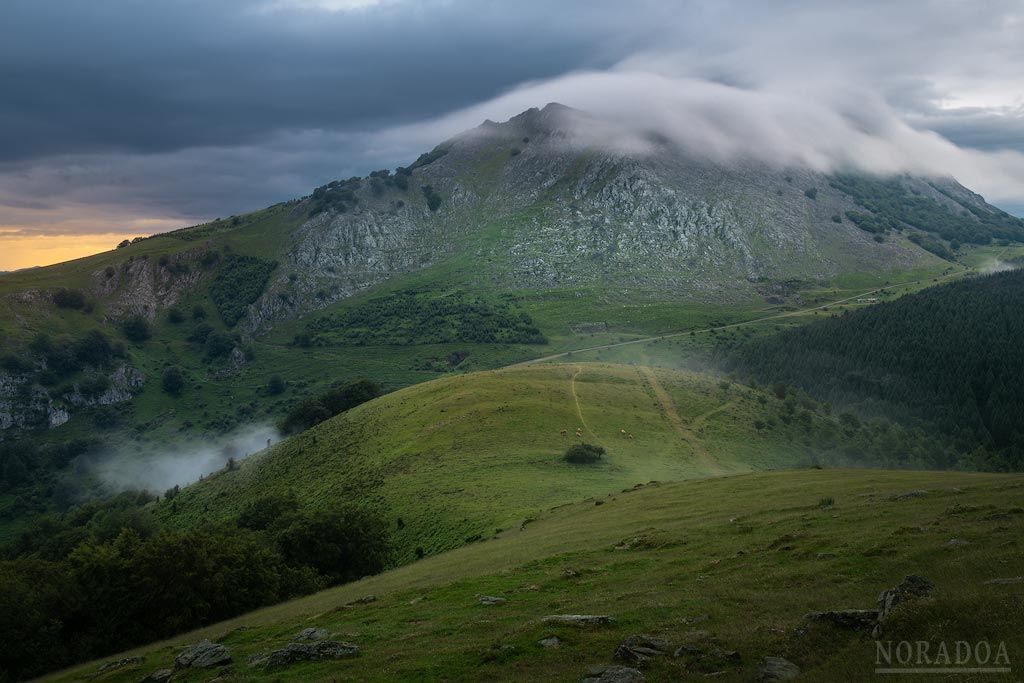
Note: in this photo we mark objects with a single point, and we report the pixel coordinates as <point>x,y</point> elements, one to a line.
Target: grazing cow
<point>564,433</point>
<point>622,431</point>
<point>631,435</point>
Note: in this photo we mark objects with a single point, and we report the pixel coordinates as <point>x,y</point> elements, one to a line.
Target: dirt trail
<point>668,406</point>
<point>774,316</point>
<point>576,398</point>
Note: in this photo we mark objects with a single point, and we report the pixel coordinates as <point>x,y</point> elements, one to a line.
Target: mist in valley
<point>179,463</point>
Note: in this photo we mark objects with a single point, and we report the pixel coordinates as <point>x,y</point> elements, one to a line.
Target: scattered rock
<point>203,655</point>
<point>909,495</point>
<point>777,669</point>
<point>492,600</point>
<point>912,587</point>
<point>957,543</point>
<point>119,664</point>
<point>365,600</point>
<point>598,502</point>
<point>578,619</point>
<point>550,643</point>
<point>640,649</point>
<point>158,676</point>
<point>304,652</point>
<point>312,634</point>
<point>1009,581</point>
<point>825,556</point>
<point>850,619</point>
<point>614,674</point>
<point>996,517</point>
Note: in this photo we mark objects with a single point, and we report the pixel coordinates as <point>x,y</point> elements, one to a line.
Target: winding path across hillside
<point>774,316</point>
<point>668,407</point>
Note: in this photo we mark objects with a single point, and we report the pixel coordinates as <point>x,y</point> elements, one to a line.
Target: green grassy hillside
<point>734,560</point>
<point>460,458</point>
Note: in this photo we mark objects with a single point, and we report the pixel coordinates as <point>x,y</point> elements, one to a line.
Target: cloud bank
<point>132,117</point>
<point>179,464</point>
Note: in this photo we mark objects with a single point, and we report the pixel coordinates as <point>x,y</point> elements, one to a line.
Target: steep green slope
<point>735,562</point>
<point>948,356</point>
<point>521,233</point>
<point>457,458</point>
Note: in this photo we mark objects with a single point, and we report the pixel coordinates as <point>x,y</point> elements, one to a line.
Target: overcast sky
<point>126,116</point>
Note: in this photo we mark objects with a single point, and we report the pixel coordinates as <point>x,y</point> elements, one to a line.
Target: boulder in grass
<point>304,652</point>
<point>578,619</point>
<point>203,655</point>
<point>614,674</point>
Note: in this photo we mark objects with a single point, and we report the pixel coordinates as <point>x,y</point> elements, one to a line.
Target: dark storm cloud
<point>157,76</point>
<point>116,114</point>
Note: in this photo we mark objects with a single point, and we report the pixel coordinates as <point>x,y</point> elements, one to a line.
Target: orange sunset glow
<point>25,251</point>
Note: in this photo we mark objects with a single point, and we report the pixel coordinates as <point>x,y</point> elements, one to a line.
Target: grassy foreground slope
<point>457,458</point>
<point>736,559</point>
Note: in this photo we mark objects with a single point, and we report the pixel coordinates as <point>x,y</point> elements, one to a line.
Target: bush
<point>313,411</point>
<point>218,345</point>
<point>69,298</point>
<point>583,454</point>
<point>173,381</point>
<point>200,333</point>
<point>175,316</point>
<point>93,349</point>
<point>342,544</point>
<point>275,385</point>
<point>811,193</point>
<point>433,199</point>
<point>136,329</point>
<point>240,282</point>
<point>263,513</point>
<point>198,313</point>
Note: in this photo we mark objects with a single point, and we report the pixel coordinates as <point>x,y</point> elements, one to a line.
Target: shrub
<point>173,381</point>
<point>198,313</point>
<point>264,513</point>
<point>583,454</point>
<point>240,282</point>
<point>218,345</point>
<point>93,348</point>
<point>136,329</point>
<point>275,385</point>
<point>433,199</point>
<point>69,298</point>
<point>175,316</point>
<point>200,333</point>
<point>313,411</point>
<point>811,193</point>
<point>342,544</point>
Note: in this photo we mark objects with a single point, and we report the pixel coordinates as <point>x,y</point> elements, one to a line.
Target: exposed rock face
<point>614,674</point>
<point>560,211</point>
<point>851,619</point>
<point>578,619</point>
<point>312,634</point>
<point>492,600</point>
<point>119,664</point>
<point>142,286</point>
<point>640,648</point>
<point>777,669</point>
<point>203,655</point>
<point>304,652</point>
<point>911,588</point>
<point>27,405</point>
